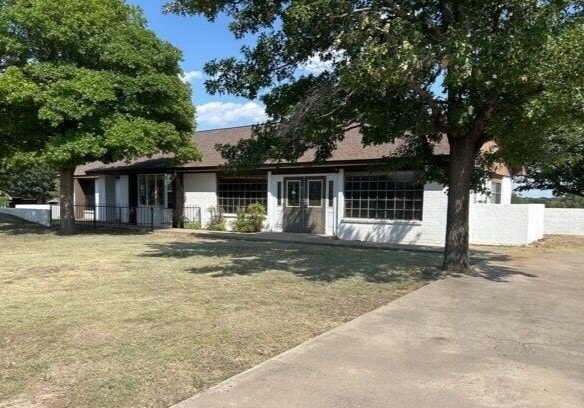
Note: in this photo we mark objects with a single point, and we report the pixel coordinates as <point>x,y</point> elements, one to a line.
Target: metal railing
<point>111,216</point>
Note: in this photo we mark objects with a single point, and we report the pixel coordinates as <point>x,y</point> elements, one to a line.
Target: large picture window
<point>153,190</point>
<point>394,196</point>
<point>237,193</point>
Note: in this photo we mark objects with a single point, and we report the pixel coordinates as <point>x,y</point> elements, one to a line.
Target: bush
<point>251,219</point>
<point>4,200</point>
<point>217,222</point>
<point>193,225</point>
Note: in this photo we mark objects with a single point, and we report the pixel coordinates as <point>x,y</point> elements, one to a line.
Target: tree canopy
<point>559,166</point>
<point>82,81</point>
<point>36,181</point>
<point>475,72</point>
<point>85,81</point>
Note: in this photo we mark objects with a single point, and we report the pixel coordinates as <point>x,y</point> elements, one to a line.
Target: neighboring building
<point>337,198</point>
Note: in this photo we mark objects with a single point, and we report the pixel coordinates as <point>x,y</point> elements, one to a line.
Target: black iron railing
<point>118,216</point>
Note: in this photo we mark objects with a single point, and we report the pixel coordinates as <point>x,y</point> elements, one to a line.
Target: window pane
<point>331,193</point>
<point>151,189</point>
<point>314,193</point>
<point>279,193</point>
<point>395,196</point>
<point>170,200</point>
<point>293,193</point>
<point>160,190</point>
<point>238,193</point>
<point>142,191</point>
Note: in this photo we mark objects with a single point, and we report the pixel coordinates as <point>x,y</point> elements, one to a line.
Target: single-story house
<point>340,197</point>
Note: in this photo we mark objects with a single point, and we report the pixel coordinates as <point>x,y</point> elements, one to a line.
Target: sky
<point>201,41</point>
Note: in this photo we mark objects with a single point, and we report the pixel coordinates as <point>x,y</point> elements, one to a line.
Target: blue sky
<point>201,41</point>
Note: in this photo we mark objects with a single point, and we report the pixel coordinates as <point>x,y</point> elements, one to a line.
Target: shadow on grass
<point>322,263</point>
<point>10,225</point>
<point>221,258</point>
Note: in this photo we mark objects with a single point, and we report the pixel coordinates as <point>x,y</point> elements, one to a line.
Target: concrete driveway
<point>512,336</point>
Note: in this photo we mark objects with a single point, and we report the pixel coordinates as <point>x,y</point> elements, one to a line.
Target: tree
<point>567,201</point>
<point>475,72</point>
<point>82,81</point>
<point>560,165</point>
<point>36,181</point>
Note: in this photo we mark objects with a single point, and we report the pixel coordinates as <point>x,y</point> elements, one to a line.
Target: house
<point>339,198</point>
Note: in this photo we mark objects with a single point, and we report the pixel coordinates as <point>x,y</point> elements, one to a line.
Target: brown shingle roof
<point>349,150</point>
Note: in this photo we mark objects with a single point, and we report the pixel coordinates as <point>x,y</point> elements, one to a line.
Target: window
<point>153,190</point>
<point>331,193</point>
<point>388,197</point>
<point>279,193</point>
<point>237,193</point>
<point>293,193</point>
<point>315,193</point>
<point>496,191</point>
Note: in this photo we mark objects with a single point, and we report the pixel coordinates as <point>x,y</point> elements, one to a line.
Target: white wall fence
<point>39,214</point>
<point>506,224</point>
<point>567,221</point>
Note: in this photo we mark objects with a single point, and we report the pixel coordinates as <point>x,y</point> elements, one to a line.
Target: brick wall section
<point>201,191</point>
<point>568,221</point>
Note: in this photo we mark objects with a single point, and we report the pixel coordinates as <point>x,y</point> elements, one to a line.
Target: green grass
<point>120,320</point>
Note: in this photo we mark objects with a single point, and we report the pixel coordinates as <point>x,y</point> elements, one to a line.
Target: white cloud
<point>315,65</point>
<point>225,114</point>
<point>189,76</point>
<point>321,62</point>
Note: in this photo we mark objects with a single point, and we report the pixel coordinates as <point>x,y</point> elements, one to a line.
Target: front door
<point>305,204</point>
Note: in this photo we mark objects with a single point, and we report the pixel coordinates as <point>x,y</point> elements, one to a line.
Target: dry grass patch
<point>118,320</point>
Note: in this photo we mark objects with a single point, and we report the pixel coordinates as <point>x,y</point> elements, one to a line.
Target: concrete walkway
<point>512,336</point>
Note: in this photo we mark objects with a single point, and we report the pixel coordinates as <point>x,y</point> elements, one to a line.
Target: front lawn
<point>112,320</point>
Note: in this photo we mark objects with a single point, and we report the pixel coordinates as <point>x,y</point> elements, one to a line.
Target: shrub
<point>193,225</point>
<point>217,222</point>
<point>4,200</point>
<point>251,219</point>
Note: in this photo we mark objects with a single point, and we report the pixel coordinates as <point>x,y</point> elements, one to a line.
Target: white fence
<point>568,221</point>
<point>506,224</point>
<point>39,214</point>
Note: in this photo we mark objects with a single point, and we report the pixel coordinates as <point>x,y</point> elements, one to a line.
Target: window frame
<point>383,197</point>
<point>496,193</point>
<point>149,195</point>
<point>287,201</point>
<point>322,186</point>
<point>236,193</point>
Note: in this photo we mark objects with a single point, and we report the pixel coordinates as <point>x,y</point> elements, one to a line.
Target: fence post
<point>94,217</point>
<point>151,218</point>
<point>50,214</point>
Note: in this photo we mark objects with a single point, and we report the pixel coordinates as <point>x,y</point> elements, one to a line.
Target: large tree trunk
<point>67,180</point>
<point>462,163</point>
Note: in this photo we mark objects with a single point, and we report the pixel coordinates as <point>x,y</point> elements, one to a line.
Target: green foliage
<point>559,165</point>
<point>568,201</point>
<point>217,222</point>
<point>28,181</point>
<point>251,219</point>
<point>478,71</point>
<point>193,225</point>
<point>86,80</point>
<point>4,200</point>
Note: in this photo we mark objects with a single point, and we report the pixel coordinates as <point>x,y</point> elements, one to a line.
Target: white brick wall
<point>201,191</point>
<point>506,224</point>
<point>430,231</point>
<point>568,221</point>
<point>37,215</point>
